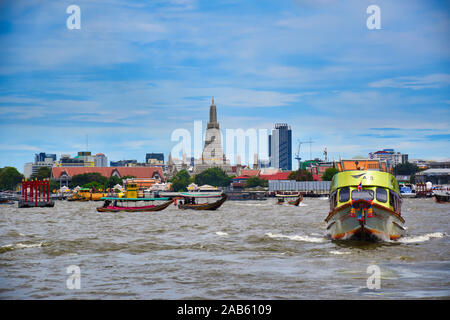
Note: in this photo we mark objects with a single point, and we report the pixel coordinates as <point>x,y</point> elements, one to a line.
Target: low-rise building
<point>435,176</point>
<point>391,157</point>
<point>64,175</point>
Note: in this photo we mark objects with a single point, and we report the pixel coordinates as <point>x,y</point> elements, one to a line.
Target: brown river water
<point>244,250</point>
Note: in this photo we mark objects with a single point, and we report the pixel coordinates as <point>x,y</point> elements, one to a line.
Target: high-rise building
<point>44,157</point>
<point>280,147</point>
<point>100,160</point>
<point>390,156</point>
<point>154,158</point>
<point>41,159</point>
<point>122,163</point>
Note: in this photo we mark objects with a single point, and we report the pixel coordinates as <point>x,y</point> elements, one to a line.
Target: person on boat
<point>107,203</point>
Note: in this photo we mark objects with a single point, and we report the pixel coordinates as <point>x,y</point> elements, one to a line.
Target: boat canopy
<point>134,199</point>
<point>366,178</point>
<point>199,195</point>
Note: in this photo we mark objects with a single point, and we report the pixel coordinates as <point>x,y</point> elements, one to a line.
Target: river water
<point>244,250</point>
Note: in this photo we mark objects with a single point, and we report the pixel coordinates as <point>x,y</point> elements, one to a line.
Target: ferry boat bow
<point>365,205</point>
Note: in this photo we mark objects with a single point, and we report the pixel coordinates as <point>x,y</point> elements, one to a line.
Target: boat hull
<point>441,198</point>
<point>135,209</point>
<point>382,225</point>
<point>204,206</point>
<point>297,201</point>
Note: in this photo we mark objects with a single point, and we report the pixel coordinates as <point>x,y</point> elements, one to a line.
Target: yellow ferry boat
<point>365,205</point>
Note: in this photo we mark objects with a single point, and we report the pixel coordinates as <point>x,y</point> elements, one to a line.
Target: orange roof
<point>277,176</point>
<point>363,164</point>
<point>138,172</point>
<point>250,173</point>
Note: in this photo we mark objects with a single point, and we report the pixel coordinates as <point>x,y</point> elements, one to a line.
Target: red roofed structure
<point>65,174</point>
<point>250,173</point>
<point>277,176</point>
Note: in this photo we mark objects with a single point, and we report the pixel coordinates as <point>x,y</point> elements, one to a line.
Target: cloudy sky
<point>138,70</point>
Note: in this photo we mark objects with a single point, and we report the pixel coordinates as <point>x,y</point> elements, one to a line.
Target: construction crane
<point>297,156</point>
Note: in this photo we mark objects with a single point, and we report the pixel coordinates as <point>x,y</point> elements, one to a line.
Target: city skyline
<point>136,72</point>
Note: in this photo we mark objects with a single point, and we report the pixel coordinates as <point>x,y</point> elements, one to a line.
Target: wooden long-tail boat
<point>111,205</point>
<point>187,201</point>
<point>441,196</point>
<point>296,202</point>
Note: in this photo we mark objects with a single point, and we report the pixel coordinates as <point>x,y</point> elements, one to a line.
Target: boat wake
<point>11,247</point>
<point>422,238</point>
<point>339,252</point>
<point>297,237</point>
<point>222,234</point>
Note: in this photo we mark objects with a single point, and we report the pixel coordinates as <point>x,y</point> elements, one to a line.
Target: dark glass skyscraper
<point>280,147</point>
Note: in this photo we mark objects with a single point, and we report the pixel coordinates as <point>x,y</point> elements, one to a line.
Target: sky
<point>136,71</point>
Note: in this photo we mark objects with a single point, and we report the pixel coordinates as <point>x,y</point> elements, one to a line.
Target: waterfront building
<point>64,175</point>
<point>280,147</point>
<point>438,176</point>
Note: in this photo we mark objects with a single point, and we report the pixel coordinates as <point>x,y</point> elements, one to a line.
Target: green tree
<point>42,173</point>
<point>93,185</point>
<point>82,179</point>
<point>214,177</point>
<point>54,185</point>
<point>112,181</point>
<point>406,169</point>
<point>9,178</point>
<point>329,173</point>
<point>301,175</point>
<point>181,180</point>
<point>256,182</point>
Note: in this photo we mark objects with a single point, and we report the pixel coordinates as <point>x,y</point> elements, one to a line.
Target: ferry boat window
<point>391,199</point>
<point>362,194</point>
<point>344,194</point>
<point>381,195</point>
<point>333,200</point>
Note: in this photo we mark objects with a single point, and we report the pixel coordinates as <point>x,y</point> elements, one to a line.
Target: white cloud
<point>414,82</point>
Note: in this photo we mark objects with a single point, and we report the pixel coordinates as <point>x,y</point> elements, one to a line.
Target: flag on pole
<point>358,188</point>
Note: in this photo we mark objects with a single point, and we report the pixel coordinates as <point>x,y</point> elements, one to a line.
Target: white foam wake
<point>339,252</point>
<point>15,246</point>
<point>297,237</point>
<point>422,238</point>
<point>220,233</point>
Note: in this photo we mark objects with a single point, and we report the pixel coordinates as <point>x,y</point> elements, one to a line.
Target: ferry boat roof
<point>366,178</point>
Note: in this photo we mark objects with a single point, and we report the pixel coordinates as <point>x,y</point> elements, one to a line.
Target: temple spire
<point>213,116</point>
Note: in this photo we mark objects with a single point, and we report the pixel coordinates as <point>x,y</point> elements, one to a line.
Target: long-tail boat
<point>187,200</point>
<point>441,196</point>
<point>365,205</point>
<point>295,202</point>
<point>112,204</point>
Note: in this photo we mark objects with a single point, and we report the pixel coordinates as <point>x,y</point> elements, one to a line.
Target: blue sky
<point>138,70</point>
